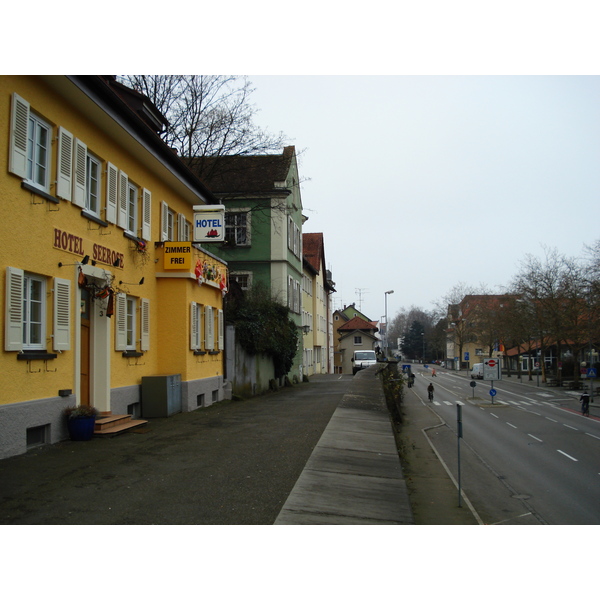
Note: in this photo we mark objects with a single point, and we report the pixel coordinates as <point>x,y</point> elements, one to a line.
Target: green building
<point>263,219</point>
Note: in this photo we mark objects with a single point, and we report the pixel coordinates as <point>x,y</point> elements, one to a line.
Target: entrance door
<point>84,367</point>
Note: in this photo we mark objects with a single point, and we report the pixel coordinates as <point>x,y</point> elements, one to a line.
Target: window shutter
<point>13,337</point>
<point>181,228</point>
<point>220,326</point>
<point>62,314</point>
<point>145,317</point>
<point>80,155</point>
<point>209,326</point>
<point>122,204</point>
<point>65,164</point>
<point>19,123</point>
<point>164,222</point>
<point>121,322</point>
<point>194,337</point>
<point>111,193</point>
<point>146,215</point>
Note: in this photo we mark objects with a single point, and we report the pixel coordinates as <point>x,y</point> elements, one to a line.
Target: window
<point>358,340</point>
<point>92,185</point>
<point>132,208</point>
<point>126,325</point>
<point>196,326</point>
<point>34,310</point>
<point>39,136</point>
<point>243,279</point>
<point>167,223</point>
<point>26,307</point>
<point>183,229</point>
<point>237,227</point>
<point>130,323</point>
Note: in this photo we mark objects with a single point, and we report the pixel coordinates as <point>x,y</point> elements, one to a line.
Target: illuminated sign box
<point>178,255</point>
<point>209,223</point>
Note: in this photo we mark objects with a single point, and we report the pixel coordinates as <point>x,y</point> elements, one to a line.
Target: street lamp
<point>386,322</point>
<point>423,334</point>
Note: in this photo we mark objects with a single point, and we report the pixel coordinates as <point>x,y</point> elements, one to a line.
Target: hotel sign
<point>209,223</point>
<point>178,255</point>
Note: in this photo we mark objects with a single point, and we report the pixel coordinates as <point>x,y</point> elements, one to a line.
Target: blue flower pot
<point>82,429</point>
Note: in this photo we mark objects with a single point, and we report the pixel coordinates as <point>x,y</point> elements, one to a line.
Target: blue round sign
<point>492,392</point>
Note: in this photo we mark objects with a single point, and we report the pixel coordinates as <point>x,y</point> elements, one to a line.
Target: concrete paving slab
<point>355,462</point>
<point>359,441</point>
<point>335,495</point>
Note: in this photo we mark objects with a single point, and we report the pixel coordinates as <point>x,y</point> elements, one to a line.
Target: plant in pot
<point>80,422</point>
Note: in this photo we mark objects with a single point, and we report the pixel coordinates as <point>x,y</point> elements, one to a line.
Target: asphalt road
<point>232,463</point>
<point>528,458</point>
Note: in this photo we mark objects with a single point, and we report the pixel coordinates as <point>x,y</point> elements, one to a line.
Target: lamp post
<point>423,334</point>
<point>386,323</point>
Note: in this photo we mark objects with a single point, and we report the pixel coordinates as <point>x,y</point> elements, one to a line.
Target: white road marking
<point>591,435</point>
<point>493,415</point>
<point>573,459</point>
<point>569,426</point>
<point>533,436</point>
<point>553,420</point>
<point>513,426</point>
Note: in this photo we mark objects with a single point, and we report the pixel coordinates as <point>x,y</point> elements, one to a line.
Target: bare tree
<point>209,115</point>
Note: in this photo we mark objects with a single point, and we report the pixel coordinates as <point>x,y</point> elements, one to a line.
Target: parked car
<point>363,359</point>
<point>477,371</point>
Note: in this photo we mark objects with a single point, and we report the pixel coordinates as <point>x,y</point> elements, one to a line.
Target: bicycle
<point>430,394</point>
<point>585,409</point>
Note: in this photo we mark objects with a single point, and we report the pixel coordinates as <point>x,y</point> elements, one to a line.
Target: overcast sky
<point>419,183</point>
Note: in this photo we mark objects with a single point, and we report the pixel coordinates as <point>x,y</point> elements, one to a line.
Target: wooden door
<point>84,367</point>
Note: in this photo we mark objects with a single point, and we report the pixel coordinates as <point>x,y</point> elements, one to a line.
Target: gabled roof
<point>357,323</point>
<point>312,248</point>
<point>244,174</point>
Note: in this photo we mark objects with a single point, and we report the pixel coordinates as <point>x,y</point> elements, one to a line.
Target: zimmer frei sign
<point>209,223</point>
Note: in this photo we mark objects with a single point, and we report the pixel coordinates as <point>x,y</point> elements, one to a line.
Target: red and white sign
<point>491,369</point>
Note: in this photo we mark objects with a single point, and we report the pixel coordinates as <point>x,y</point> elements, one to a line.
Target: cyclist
<point>585,404</point>
<point>430,391</point>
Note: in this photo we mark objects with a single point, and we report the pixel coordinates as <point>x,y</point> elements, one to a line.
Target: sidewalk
<point>353,475</point>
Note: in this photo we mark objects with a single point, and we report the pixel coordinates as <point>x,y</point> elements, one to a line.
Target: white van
<point>363,359</point>
<point>477,371</point>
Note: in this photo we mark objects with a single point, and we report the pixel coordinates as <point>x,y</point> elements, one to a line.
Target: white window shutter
<point>145,318</point>
<point>164,222</point>
<point>181,228</point>
<point>209,326</point>
<point>79,179</point>
<point>194,337</point>
<point>112,175</point>
<point>220,326</point>
<point>64,171</point>
<point>121,322</point>
<point>62,314</point>
<point>122,203</point>
<point>13,319</point>
<point>146,215</point>
<point>19,123</point>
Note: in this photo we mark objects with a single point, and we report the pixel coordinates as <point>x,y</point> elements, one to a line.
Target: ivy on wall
<point>263,326</point>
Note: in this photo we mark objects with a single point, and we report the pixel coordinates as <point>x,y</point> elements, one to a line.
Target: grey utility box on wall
<point>161,395</point>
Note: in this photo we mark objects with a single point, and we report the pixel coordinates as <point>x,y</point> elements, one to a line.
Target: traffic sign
<point>491,369</point>
<point>472,384</point>
<point>592,373</point>
<point>492,392</point>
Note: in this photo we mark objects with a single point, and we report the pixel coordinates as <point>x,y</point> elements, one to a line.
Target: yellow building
<point>317,288</point>
<point>101,285</point>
